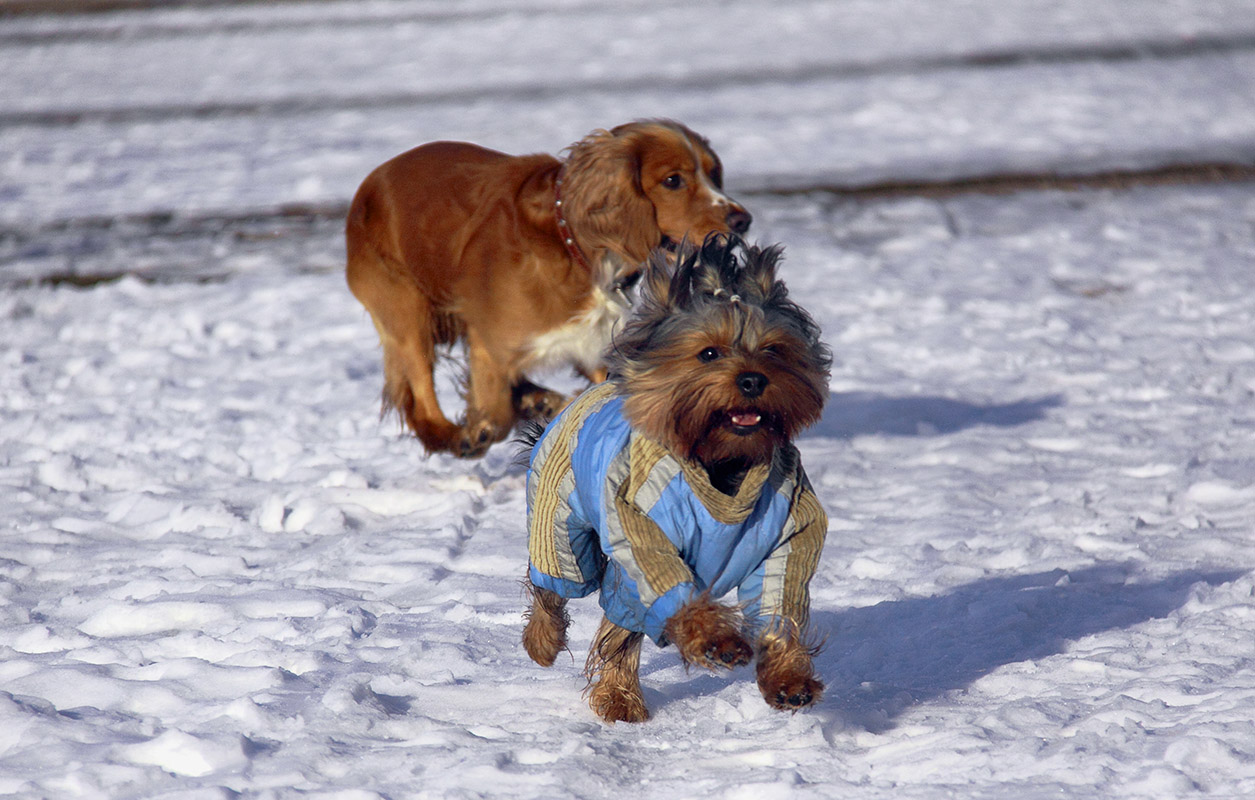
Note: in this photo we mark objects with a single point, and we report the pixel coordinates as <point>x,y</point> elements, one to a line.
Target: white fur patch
<point>583,339</point>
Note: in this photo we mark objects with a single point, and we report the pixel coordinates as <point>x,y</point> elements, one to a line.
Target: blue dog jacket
<point>610,509</point>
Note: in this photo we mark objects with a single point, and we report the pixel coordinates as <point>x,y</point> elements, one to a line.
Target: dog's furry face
<point>647,183</point>
<point>719,365</point>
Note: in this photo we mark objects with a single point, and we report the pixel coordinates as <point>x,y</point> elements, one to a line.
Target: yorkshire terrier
<point>676,481</point>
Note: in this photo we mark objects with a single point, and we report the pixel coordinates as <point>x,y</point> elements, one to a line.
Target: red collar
<point>564,230</point>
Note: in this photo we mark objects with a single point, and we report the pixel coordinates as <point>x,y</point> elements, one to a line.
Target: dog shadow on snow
<point>850,414</point>
<point>879,661</point>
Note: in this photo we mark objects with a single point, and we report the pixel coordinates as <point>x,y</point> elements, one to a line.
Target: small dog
<point>527,259</point>
<point>677,481</point>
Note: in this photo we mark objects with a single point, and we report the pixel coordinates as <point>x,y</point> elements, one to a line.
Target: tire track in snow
<point>308,238</point>
<point>93,28</point>
<point>698,80</point>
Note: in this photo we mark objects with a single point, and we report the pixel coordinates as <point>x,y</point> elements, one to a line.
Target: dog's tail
<point>525,438</point>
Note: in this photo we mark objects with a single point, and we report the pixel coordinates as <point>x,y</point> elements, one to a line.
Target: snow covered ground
<point>196,111</point>
<point>222,575</point>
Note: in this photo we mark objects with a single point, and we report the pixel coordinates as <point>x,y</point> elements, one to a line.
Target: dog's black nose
<point>739,220</point>
<point>751,384</point>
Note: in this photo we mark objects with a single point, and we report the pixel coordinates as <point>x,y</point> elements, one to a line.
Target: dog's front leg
<point>547,621</point>
<point>786,671</point>
<point>595,375</point>
<point>709,634</point>
<point>613,670</point>
<point>490,412</point>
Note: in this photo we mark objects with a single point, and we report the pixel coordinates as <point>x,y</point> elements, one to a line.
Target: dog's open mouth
<point>745,422</point>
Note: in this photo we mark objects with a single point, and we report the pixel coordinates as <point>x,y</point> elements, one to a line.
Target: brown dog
<point>525,258</point>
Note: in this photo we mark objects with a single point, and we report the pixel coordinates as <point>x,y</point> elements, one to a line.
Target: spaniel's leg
<point>407,327</point>
<point>536,402</point>
<point>490,414</point>
<point>596,375</point>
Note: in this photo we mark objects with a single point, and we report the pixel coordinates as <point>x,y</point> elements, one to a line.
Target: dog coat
<point>610,509</point>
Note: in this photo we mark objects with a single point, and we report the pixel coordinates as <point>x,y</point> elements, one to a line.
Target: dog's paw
<point>786,669</point>
<point>794,694</point>
<point>708,634</point>
<point>728,652</point>
<point>542,642</point>
<point>541,404</point>
<point>616,703</point>
<point>547,621</point>
<point>476,438</point>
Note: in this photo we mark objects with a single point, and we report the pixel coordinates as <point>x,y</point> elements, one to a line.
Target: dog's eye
<point>673,181</point>
<point>708,355</point>
<point>716,177</point>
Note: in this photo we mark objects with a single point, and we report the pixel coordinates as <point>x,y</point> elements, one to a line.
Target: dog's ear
<point>731,268</point>
<point>719,258</point>
<point>757,279</point>
<point>667,282</point>
<point>604,201</point>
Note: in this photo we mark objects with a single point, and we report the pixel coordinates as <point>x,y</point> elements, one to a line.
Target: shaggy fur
<point>786,674</point>
<point>613,672</point>
<point>453,242</point>
<point>718,341</point>
<point>708,634</point>
<point>724,370</point>
<point>547,621</point>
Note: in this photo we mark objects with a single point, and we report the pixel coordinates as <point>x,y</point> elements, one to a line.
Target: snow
<point>798,93</point>
<point>222,575</point>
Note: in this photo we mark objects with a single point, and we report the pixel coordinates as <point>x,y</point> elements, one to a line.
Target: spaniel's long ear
<point>602,196</point>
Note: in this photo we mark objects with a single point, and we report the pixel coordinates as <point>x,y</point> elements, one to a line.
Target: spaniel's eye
<point>708,355</point>
<point>673,181</point>
<point>716,177</point>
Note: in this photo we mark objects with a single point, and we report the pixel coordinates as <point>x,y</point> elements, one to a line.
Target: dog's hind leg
<point>613,670</point>
<point>409,388</point>
<point>547,621</point>
<point>408,328</point>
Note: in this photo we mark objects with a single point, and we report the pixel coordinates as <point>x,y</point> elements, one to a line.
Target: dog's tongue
<point>746,419</point>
